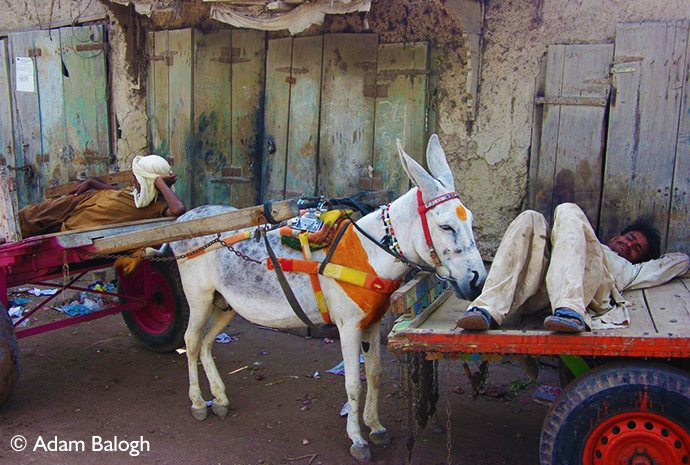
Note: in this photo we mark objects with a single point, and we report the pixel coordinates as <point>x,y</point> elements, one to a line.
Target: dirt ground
<point>94,379</point>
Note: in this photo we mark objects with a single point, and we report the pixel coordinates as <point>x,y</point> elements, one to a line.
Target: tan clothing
<point>91,208</point>
<point>580,274</point>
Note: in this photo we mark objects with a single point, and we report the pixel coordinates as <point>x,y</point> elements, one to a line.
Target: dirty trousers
<point>523,277</point>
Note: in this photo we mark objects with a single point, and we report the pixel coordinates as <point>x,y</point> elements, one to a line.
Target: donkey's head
<point>447,241</point>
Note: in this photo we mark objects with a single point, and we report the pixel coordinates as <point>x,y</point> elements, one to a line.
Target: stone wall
<point>25,15</point>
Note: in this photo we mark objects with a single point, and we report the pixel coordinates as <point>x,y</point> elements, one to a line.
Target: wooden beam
<point>230,221</point>
<point>112,179</point>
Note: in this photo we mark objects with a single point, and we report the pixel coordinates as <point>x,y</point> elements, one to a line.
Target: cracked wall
<point>25,15</point>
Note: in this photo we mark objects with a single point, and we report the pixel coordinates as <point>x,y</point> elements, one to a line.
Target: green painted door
<point>60,115</point>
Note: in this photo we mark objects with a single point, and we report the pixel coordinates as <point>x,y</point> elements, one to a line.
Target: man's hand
<point>168,179</point>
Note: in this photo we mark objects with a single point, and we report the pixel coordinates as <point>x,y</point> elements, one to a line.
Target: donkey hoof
<point>380,438</point>
<point>200,413</point>
<point>220,410</point>
<point>360,452</point>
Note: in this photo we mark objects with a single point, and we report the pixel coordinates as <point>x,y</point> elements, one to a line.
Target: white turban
<point>147,169</point>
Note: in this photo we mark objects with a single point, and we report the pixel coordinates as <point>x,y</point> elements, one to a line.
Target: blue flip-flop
<point>474,318</point>
<point>565,320</point>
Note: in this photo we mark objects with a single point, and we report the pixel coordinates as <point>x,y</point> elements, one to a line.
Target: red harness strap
<point>422,208</point>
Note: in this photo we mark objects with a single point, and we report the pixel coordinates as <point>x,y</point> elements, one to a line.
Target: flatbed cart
<point>150,299</point>
<point>626,393</point>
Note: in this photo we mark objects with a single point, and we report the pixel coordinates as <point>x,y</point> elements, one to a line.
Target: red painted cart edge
<point>540,343</point>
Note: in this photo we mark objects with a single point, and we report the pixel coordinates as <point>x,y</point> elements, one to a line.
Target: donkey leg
<point>199,312</point>
<point>350,338</point>
<point>220,320</point>
<point>372,363</point>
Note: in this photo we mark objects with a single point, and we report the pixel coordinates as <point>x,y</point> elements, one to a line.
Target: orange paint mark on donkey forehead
<point>461,212</point>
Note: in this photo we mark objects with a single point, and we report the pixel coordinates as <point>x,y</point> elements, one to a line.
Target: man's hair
<point>652,234</point>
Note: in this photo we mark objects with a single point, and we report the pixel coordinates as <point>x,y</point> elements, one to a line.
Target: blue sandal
<point>475,318</point>
<point>565,320</point>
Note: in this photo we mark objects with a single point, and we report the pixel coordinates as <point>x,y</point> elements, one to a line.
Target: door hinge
<point>90,47</point>
<point>166,57</point>
<point>622,69</point>
<point>231,175</point>
<point>34,52</point>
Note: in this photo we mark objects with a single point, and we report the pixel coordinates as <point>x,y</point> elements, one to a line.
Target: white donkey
<point>253,291</point>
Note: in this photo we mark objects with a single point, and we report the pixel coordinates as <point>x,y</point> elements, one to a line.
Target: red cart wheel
<point>9,356</point>
<point>621,413</point>
<point>159,325</point>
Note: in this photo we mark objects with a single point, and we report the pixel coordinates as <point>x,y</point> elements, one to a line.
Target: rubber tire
<point>606,391</point>
<point>173,337</point>
<point>9,356</point>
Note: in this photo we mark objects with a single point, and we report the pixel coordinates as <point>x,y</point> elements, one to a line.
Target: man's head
<point>146,170</point>
<point>638,242</point>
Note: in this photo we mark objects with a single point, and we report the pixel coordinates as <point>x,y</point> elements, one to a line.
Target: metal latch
<point>623,69</point>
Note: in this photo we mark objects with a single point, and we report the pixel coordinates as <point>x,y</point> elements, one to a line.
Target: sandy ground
<point>95,380</point>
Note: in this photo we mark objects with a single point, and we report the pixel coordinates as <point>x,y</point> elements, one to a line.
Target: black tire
<point>9,356</point>
<point>161,324</point>
<point>617,412</point>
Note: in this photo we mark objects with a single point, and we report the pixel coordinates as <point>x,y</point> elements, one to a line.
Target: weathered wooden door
<point>335,105</point>
<point>205,103</point>
<point>571,155</point>
<point>647,168</point>
<point>8,187</point>
<point>59,107</point>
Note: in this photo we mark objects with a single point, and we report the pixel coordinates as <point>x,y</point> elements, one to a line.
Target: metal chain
<point>241,255</point>
<point>449,441</point>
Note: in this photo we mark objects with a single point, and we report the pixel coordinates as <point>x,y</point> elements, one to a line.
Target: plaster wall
<point>24,15</point>
<point>492,170</point>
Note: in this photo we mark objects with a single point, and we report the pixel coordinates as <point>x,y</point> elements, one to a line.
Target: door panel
<point>400,107</point>
<point>347,112</point>
<point>249,48</point>
<point>276,116</point>
<point>572,145</point>
<point>305,101</point>
<point>180,108</point>
<point>157,93</point>
<point>84,85</point>
<point>8,190</point>
<point>212,115</point>
<point>643,124</point>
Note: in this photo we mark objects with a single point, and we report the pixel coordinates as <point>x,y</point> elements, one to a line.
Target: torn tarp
<point>296,20</point>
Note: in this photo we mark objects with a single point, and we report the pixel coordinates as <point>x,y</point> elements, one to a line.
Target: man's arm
<point>656,272</point>
<point>91,183</point>
<point>176,206</point>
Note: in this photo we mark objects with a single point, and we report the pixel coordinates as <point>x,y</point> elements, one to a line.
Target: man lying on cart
<point>570,271</point>
<point>94,203</point>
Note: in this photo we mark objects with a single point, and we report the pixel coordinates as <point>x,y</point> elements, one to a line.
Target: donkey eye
<point>447,227</point>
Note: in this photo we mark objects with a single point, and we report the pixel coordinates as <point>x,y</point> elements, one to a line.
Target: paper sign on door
<point>25,75</point>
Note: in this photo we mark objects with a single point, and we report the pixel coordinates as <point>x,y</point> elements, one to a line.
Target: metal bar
<point>575,364</point>
<point>94,291</point>
<point>42,304</point>
<point>76,320</point>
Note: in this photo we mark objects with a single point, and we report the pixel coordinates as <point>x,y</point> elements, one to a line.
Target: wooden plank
<point>537,122</point>
<point>643,125</point>
<point>400,111</point>
<point>576,87</point>
<point>27,124</point>
<point>180,132</point>
<point>679,217</point>
<point>120,177</point>
<point>230,221</point>
<point>51,162</point>
<point>248,78</point>
<point>305,104</point>
<point>157,94</point>
<point>276,117</point>
<point>212,115</point>
<point>86,106</point>
<point>347,112</point>
<point>641,323</point>
<point>669,306</point>
<point>546,169</point>
<point>8,193</point>
<point>580,152</point>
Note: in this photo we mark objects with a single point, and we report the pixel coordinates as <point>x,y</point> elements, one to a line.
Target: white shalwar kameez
<point>581,274</point>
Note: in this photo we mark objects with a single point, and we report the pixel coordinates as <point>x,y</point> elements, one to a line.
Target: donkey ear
<point>417,174</point>
<point>438,165</point>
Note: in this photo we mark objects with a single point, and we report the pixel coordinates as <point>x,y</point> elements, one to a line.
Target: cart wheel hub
<point>637,438</point>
